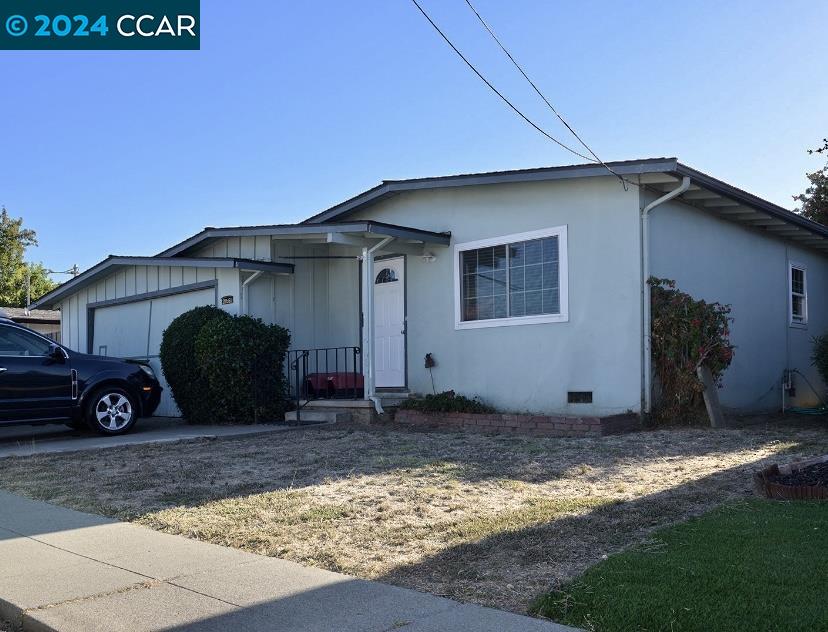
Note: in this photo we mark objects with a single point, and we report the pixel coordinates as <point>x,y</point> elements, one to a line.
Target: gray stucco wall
<point>718,260</point>
<point>530,367</point>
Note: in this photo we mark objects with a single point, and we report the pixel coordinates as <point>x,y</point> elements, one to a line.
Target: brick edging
<point>539,425</point>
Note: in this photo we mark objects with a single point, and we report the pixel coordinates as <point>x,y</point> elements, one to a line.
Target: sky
<point>291,107</point>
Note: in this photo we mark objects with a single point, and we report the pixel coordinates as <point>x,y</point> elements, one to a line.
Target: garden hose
<point>818,410</point>
<point>821,410</point>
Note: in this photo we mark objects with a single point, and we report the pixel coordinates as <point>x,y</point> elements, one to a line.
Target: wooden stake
<point>711,397</point>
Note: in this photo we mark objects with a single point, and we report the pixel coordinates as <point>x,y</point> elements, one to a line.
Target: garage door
<point>133,330</point>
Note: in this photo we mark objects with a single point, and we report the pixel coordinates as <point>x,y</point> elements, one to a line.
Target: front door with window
<point>389,322</point>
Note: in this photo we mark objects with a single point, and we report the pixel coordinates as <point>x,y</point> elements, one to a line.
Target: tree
<point>815,199</point>
<point>14,239</point>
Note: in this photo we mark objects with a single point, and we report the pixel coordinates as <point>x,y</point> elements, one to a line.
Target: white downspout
<point>368,333</point>
<point>645,276</point>
<point>246,290</point>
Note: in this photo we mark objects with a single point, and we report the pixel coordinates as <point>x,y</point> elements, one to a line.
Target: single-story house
<point>527,287</point>
<point>44,321</point>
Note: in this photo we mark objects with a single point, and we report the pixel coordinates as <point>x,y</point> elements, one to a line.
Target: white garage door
<point>133,330</point>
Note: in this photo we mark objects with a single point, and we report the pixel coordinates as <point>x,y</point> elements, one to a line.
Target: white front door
<point>389,322</point>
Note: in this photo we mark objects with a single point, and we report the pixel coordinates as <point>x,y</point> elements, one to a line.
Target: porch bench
<point>334,383</point>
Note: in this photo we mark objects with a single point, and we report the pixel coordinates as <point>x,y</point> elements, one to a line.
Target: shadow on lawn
<point>510,569</point>
<point>506,570</point>
<point>140,479</point>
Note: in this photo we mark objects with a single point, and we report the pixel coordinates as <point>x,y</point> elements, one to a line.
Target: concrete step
<point>319,416</point>
<point>393,398</point>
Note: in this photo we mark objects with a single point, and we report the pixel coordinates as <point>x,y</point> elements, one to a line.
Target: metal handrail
<point>324,373</point>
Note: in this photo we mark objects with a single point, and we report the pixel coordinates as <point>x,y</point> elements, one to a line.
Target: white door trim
<point>391,368</point>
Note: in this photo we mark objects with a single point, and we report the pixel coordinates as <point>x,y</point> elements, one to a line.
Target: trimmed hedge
<point>184,376</point>
<point>243,359</point>
<point>225,369</point>
<point>446,402</point>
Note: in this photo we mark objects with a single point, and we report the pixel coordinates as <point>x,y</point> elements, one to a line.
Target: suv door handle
<point>2,368</point>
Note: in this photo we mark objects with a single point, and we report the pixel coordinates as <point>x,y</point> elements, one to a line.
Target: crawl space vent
<point>579,397</point>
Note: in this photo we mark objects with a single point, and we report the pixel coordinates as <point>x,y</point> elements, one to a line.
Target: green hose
<point>821,410</point>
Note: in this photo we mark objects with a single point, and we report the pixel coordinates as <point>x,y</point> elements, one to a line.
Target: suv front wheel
<point>111,411</point>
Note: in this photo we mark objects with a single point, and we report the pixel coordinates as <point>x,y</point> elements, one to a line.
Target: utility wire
<point>541,95</point>
<point>498,93</point>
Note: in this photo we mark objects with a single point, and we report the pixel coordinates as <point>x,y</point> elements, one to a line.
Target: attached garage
<point>121,307</point>
<point>133,329</point>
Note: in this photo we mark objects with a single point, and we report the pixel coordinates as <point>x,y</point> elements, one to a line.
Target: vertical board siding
<point>124,283</point>
<point>140,279</point>
<point>247,247</point>
<point>109,288</point>
<point>319,304</point>
<point>164,278</point>
<point>129,286</point>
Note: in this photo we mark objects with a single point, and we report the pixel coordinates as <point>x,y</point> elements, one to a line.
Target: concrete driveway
<point>29,440</point>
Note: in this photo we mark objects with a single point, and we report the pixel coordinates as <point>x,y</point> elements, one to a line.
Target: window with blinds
<point>799,295</point>
<point>516,279</point>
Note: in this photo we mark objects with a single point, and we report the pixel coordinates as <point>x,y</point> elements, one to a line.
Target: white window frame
<point>563,281</point>
<point>793,265</point>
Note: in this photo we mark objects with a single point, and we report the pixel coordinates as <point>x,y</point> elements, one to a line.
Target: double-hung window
<point>798,286</point>
<point>512,280</point>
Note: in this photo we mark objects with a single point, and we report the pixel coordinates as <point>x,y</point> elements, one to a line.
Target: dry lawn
<point>490,519</point>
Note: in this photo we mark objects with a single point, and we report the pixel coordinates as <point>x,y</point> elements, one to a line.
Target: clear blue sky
<point>308,103</point>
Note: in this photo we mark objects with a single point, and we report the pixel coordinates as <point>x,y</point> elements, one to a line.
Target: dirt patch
<point>810,476</point>
<point>489,519</point>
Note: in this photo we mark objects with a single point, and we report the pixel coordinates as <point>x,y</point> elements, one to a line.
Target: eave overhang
<point>112,263</point>
<point>362,230</point>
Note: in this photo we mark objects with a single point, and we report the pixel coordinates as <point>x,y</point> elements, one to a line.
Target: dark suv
<point>43,382</point>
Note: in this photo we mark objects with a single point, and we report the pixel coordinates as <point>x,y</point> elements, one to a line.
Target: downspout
<point>368,343</point>
<point>246,290</point>
<point>645,276</point>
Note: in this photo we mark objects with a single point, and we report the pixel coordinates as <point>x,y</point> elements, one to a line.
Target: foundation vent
<point>579,397</point>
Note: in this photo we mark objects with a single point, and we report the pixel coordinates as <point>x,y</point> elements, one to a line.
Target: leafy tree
<point>14,239</point>
<point>815,199</point>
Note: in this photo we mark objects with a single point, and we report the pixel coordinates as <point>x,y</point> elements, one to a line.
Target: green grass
<point>756,565</point>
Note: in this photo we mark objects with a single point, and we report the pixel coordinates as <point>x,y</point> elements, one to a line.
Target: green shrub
<point>187,383</point>
<point>686,334</point>
<point>819,356</point>
<point>446,402</point>
<point>242,360</point>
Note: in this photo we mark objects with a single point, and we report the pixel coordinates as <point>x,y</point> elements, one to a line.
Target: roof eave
<point>748,199</point>
<point>393,187</point>
<point>379,228</point>
<point>101,268</point>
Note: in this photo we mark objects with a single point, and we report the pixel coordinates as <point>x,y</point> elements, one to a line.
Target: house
<point>44,321</point>
<point>527,287</point>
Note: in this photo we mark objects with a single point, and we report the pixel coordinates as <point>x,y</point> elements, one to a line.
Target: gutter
<point>368,343</point>
<point>647,351</point>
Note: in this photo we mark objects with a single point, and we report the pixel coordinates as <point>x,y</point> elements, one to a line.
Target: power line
<point>496,91</point>
<point>541,95</point>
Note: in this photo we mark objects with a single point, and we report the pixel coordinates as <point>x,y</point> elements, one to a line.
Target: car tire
<point>111,411</point>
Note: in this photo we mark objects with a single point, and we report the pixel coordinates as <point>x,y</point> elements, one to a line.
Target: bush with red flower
<point>686,334</point>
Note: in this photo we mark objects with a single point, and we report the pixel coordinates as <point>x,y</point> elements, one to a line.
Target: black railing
<point>326,373</point>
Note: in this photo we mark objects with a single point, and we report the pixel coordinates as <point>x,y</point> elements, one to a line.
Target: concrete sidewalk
<point>70,571</point>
